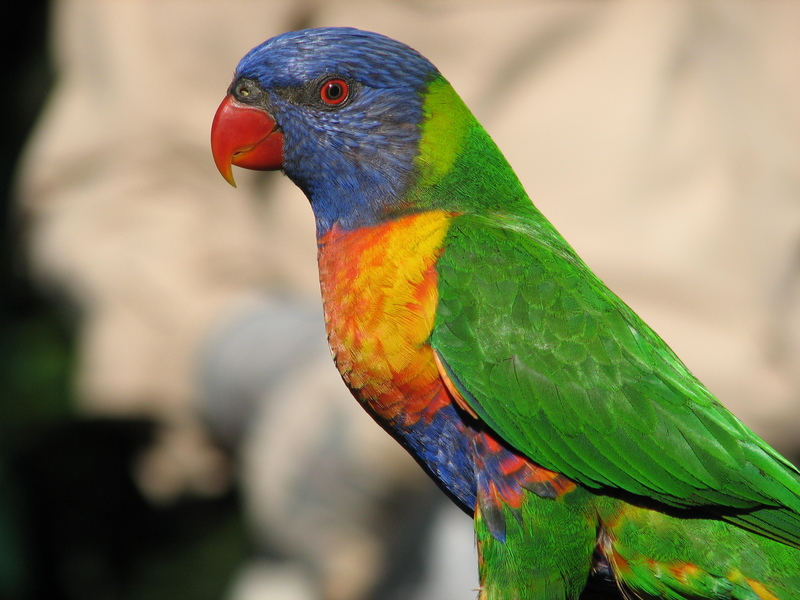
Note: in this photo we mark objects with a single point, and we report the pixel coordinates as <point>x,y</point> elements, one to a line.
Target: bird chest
<point>379,294</point>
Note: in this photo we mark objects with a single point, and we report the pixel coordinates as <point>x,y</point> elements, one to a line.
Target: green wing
<point>566,373</point>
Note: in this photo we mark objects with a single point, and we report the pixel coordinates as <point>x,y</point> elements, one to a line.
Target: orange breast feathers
<point>379,294</point>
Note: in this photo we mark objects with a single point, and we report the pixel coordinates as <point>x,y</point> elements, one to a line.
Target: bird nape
<point>469,329</point>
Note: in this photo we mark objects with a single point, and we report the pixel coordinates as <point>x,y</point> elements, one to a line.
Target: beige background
<point>661,137</point>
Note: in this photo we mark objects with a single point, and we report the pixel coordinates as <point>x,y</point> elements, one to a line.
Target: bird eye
<point>334,91</point>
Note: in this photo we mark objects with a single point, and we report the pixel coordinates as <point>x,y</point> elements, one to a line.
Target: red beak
<point>245,136</point>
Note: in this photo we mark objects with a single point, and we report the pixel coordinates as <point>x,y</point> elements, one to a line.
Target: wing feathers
<point>566,373</point>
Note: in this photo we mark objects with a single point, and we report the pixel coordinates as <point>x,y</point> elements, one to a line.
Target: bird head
<point>339,110</point>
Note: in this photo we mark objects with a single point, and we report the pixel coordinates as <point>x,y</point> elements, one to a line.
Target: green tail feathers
<point>653,554</point>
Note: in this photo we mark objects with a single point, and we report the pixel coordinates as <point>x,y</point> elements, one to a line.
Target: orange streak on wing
<point>448,383</point>
<point>685,572</point>
<point>761,591</point>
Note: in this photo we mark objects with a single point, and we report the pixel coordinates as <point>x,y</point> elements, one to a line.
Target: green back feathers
<point>564,371</point>
<point>559,366</point>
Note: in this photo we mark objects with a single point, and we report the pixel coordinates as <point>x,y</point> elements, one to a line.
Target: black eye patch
<point>316,92</point>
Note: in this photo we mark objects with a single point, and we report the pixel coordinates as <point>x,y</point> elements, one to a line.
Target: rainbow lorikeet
<point>472,332</point>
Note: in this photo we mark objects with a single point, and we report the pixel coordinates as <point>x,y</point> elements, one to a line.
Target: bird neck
<point>459,167</point>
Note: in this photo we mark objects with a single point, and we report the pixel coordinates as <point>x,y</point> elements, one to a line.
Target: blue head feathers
<point>353,155</point>
<point>297,56</point>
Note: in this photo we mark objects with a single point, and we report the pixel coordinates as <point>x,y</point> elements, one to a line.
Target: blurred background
<point>171,425</point>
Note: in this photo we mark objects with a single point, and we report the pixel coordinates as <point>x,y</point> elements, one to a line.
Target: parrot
<point>585,451</point>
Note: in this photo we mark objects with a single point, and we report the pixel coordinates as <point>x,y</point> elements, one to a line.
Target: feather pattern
<point>471,331</point>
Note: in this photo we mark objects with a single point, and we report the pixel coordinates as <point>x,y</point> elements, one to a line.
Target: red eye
<point>334,91</point>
